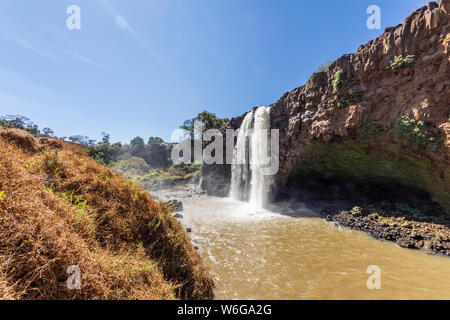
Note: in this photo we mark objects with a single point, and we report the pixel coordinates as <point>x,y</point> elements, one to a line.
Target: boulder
<point>176,205</point>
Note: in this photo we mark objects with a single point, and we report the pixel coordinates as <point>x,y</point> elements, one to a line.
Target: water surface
<point>256,254</point>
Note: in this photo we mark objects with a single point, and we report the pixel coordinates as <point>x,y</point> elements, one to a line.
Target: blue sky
<point>140,68</point>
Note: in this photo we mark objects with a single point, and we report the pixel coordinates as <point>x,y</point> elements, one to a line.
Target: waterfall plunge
<point>248,183</point>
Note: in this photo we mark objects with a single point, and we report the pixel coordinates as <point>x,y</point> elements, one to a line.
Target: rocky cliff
<point>376,124</point>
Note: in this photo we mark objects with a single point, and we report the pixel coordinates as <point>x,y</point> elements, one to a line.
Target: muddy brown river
<point>257,254</point>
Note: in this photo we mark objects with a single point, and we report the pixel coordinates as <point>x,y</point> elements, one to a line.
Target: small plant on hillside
<point>50,163</point>
<point>32,166</point>
<point>70,198</point>
<point>348,99</point>
<point>400,62</point>
<point>415,132</point>
<point>2,194</point>
<point>50,188</point>
<point>100,158</point>
<point>324,67</point>
<point>340,80</point>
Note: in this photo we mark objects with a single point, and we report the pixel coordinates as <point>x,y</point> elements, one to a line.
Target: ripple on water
<point>280,257</point>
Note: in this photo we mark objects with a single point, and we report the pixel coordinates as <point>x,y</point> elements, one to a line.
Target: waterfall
<point>240,178</point>
<point>250,156</point>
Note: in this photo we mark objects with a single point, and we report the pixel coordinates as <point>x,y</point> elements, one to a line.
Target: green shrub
<point>347,100</point>
<point>173,173</point>
<point>72,199</point>
<point>131,166</point>
<point>416,133</point>
<point>400,62</point>
<point>370,130</point>
<point>340,80</point>
<point>50,188</point>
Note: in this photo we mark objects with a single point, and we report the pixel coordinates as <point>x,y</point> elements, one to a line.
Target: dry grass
<point>61,208</point>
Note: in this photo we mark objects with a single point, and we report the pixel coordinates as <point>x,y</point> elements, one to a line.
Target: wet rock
<point>178,216</point>
<point>401,227</point>
<point>406,243</point>
<point>176,205</point>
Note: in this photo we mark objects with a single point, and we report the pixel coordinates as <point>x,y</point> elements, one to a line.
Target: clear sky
<point>142,67</point>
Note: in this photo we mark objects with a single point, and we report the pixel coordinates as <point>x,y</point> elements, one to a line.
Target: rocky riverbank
<point>425,228</point>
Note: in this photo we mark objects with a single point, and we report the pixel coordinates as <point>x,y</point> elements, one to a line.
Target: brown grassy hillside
<point>60,208</point>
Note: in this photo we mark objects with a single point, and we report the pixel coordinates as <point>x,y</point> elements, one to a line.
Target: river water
<point>256,254</point>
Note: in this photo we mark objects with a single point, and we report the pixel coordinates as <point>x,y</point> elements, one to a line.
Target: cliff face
<point>376,122</point>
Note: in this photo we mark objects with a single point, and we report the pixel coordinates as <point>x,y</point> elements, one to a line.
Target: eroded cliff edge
<point>375,125</point>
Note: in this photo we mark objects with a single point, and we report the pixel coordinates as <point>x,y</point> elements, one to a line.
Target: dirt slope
<point>60,208</point>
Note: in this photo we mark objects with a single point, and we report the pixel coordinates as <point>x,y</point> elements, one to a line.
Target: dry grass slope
<point>60,208</point>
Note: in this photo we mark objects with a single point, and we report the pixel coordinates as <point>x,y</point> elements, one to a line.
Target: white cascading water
<point>240,177</point>
<point>248,183</point>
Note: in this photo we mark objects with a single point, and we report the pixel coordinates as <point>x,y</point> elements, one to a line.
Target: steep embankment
<point>60,208</point>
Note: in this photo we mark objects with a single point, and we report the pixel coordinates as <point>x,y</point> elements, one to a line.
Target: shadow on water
<point>318,194</point>
<point>294,209</point>
<point>305,208</point>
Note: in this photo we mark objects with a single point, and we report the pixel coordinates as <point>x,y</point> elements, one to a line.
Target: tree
<point>155,140</point>
<point>17,121</point>
<point>137,142</point>
<point>138,148</point>
<point>105,138</point>
<point>48,132</point>
<point>78,139</point>
<point>20,122</point>
<point>209,121</point>
<point>157,155</point>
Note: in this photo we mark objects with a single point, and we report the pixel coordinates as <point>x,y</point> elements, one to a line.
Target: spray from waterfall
<point>248,182</point>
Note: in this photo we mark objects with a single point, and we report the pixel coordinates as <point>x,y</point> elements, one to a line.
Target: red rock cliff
<point>377,118</point>
<point>396,113</point>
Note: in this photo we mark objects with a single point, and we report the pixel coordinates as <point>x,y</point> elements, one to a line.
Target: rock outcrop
<point>377,123</point>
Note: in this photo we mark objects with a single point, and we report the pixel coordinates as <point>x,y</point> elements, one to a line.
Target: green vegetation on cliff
<point>400,62</point>
<point>416,133</point>
<point>340,80</point>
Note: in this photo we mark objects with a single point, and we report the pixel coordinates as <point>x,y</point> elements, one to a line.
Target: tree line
<point>155,152</point>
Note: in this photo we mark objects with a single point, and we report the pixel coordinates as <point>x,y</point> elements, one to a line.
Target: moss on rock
<point>383,163</point>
